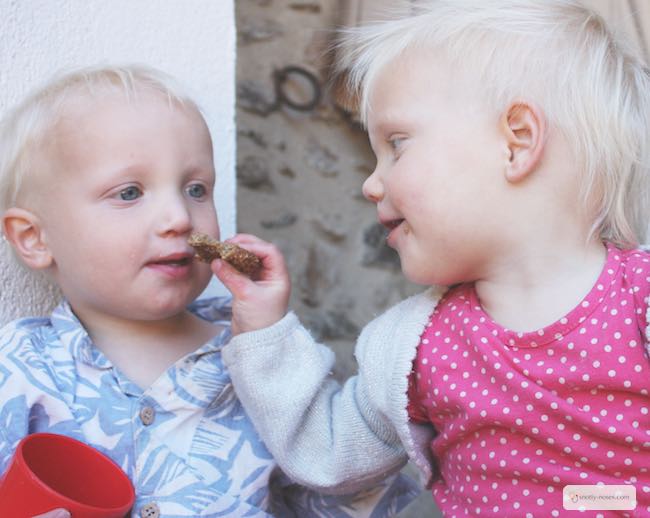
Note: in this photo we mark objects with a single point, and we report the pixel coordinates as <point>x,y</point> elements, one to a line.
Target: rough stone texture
<point>300,177</point>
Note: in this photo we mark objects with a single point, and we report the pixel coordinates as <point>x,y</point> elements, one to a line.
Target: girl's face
<point>130,181</point>
<point>440,162</point>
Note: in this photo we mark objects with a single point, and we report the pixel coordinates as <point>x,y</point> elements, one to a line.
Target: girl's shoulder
<point>635,273</point>
<point>395,333</point>
<point>635,265</point>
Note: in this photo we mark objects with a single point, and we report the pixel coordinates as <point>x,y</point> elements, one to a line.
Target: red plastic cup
<point>50,471</point>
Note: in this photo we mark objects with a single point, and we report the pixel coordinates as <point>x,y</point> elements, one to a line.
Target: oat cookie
<point>207,249</point>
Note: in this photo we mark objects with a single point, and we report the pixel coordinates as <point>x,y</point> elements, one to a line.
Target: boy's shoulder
<point>31,332</point>
<point>30,358</point>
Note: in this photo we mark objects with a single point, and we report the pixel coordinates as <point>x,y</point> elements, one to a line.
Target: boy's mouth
<point>174,260</point>
<point>178,262</point>
<point>177,267</point>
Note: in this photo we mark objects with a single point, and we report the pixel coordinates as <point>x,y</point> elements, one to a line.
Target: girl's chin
<point>422,276</point>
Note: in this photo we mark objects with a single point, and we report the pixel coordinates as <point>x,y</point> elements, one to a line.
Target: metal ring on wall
<point>283,76</point>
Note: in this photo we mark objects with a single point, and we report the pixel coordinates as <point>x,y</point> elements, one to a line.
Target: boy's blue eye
<point>196,190</point>
<point>130,193</point>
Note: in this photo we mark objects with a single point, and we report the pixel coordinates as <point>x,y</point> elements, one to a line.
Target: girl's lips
<point>392,224</point>
<point>394,227</point>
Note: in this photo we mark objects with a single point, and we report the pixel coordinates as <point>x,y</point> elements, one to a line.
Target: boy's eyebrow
<point>129,169</point>
<point>141,168</point>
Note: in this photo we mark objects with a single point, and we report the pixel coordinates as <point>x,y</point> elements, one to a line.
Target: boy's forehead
<point>82,102</point>
<point>84,117</point>
<point>94,114</point>
<point>87,108</point>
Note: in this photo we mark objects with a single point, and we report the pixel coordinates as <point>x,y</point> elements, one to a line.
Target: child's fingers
<point>273,265</point>
<point>245,238</point>
<point>234,281</point>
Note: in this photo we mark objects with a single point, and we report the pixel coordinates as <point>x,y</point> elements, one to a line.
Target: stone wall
<point>300,174</point>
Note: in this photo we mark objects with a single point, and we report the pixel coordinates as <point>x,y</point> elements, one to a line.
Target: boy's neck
<point>540,283</point>
<point>144,350</point>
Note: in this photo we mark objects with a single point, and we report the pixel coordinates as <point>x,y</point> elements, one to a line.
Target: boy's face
<point>439,158</point>
<point>128,183</point>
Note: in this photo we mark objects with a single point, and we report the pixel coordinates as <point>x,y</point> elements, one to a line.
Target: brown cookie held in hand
<point>208,249</point>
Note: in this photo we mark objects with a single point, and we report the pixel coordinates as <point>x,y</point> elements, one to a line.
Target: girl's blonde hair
<point>25,129</point>
<point>593,87</point>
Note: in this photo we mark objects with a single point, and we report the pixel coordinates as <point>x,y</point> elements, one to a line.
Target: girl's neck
<point>537,285</point>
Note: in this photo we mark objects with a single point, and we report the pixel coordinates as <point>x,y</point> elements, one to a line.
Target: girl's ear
<point>524,127</point>
<point>23,230</point>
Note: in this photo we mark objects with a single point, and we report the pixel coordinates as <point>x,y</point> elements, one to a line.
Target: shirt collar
<point>76,340</point>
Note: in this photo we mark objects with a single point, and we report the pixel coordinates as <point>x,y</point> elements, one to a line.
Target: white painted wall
<point>194,40</point>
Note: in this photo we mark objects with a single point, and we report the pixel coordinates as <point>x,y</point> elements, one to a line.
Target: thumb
<point>234,281</point>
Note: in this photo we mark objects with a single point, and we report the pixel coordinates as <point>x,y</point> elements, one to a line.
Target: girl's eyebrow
<point>385,121</point>
<point>391,120</point>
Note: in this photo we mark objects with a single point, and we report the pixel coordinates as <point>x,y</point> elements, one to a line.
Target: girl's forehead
<point>420,76</point>
<point>406,80</point>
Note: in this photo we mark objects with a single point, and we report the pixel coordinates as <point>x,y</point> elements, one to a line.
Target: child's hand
<point>262,300</point>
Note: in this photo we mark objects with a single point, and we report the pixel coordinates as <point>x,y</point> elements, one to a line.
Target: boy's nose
<point>174,217</point>
<point>372,188</point>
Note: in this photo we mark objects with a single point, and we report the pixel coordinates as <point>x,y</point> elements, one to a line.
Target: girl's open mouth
<point>392,224</point>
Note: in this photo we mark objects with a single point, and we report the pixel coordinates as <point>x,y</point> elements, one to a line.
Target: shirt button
<point>149,511</point>
<point>147,415</point>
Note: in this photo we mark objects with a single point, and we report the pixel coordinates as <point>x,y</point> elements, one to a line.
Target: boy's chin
<point>172,306</point>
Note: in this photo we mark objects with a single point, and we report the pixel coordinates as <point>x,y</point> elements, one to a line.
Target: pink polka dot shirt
<point>521,415</point>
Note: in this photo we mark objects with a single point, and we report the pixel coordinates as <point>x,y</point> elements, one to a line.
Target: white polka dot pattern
<point>521,415</point>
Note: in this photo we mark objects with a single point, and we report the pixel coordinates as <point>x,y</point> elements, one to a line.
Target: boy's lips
<point>177,266</point>
<point>179,258</point>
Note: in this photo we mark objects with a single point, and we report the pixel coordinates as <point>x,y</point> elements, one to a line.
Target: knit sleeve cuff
<point>258,340</point>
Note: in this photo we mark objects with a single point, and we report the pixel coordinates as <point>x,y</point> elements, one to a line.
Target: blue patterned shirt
<point>185,442</point>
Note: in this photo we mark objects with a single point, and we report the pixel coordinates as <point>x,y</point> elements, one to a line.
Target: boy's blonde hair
<point>593,88</point>
<point>25,129</point>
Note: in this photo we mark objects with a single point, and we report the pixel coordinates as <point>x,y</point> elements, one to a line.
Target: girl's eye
<point>196,190</point>
<point>130,193</point>
<point>396,143</point>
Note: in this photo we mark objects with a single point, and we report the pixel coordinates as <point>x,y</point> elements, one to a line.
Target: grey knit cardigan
<point>333,438</point>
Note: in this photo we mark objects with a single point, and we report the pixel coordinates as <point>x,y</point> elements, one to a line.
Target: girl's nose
<point>373,189</point>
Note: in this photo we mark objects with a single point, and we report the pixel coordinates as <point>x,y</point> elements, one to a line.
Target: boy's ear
<point>23,230</point>
<point>524,127</point>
